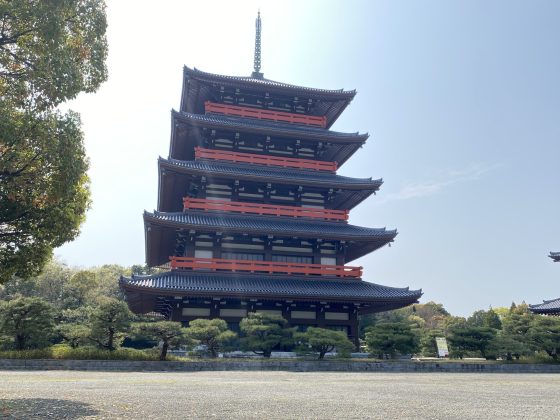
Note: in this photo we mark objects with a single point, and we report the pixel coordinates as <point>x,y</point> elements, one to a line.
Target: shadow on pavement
<point>49,408</point>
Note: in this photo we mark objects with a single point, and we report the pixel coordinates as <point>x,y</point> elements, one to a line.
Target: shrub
<point>323,341</point>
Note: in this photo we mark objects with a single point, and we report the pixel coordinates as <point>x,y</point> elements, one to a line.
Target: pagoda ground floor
<point>304,301</point>
<point>331,315</point>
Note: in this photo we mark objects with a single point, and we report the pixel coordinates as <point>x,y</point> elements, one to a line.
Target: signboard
<point>442,349</point>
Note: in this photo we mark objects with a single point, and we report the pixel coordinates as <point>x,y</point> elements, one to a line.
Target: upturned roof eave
<point>254,125</point>
<point>161,233</point>
<point>373,234</point>
<point>196,74</point>
<point>338,99</point>
<point>176,165</point>
<point>383,302</point>
<point>384,295</point>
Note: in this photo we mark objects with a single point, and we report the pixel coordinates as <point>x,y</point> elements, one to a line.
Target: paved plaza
<point>276,395</point>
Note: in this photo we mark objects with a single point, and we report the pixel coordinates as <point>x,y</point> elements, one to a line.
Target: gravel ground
<point>277,395</point>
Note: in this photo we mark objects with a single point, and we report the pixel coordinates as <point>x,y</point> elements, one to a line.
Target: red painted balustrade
<point>264,114</point>
<point>318,165</point>
<point>263,209</point>
<point>269,267</point>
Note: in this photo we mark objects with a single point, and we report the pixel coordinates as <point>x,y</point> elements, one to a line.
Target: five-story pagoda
<point>251,213</point>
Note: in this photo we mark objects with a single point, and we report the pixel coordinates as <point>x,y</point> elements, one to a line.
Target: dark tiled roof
<point>254,285</point>
<point>199,87</point>
<point>269,127</point>
<point>547,307</point>
<point>274,174</point>
<point>272,225</point>
<point>260,83</point>
<point>555,256</point>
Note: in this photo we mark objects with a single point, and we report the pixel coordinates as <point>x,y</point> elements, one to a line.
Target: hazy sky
<point>462,101</point>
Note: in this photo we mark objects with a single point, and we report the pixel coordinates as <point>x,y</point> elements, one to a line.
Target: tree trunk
<point>111,339</point>
<point>20,342</point>
<point>163,353</point>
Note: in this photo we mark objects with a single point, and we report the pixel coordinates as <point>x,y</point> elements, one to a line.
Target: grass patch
<point>64,352</point>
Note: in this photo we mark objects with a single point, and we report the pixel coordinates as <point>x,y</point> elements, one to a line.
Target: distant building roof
<point>247,285</point>
<point>548,307</point>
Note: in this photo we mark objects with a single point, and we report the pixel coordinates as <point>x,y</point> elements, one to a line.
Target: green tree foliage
<point>392,338</point>
<point>264,332</point>
<point>322,341</point>
<point>67,288</point>
<point>80,289</point>
<point>517,323</point>
<point>109,320</point>
<point>75,335</point>
<point>544,332</point>
<point>44,189</point>
<point>506,347</point>
<point>27,322</point>
<point>212,333</point>
<point>465,339</point>
<point>489,319</point>
<point>49,52</point>
<point>168,333</point>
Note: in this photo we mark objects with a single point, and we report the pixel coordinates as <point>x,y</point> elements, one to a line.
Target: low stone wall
<point>275,365</point>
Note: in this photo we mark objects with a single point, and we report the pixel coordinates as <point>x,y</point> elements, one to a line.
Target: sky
<point>461,100</point>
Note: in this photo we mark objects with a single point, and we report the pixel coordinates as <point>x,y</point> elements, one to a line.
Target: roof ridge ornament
<point>257,60</point>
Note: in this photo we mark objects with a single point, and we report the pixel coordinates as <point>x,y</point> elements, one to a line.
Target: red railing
<point>263,209</point>
<point>215,264</point>
<point>265,114</point>
<point>318,165</point>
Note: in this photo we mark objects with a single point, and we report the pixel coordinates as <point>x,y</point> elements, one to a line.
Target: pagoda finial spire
<point>257,64</point>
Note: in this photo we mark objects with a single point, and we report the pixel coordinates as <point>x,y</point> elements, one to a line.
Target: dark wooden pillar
<point>353,331</point>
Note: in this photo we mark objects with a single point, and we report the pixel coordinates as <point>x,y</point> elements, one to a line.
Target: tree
<point>463,339</point>
<point>80,289</point>
<point>75,335</point>
<point>264,332</point>
<point>545,335</point>
<point>488,319</point>
<point>323,341</point>
<point>392,338</point>
<point>109,321</point>
<point>49,52</point>
<point>48,285</point>
<point>431,312</point>
<point>212,333</point>
<point>507,347</point>
<point>167,332</point>
<point>517,324</point>
<point>29,322</point>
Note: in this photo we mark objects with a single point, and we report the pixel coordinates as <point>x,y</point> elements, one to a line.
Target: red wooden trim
<point>263,209</point>
<point>214,264</point>
<point>319,165</point>
<point>265,114</point>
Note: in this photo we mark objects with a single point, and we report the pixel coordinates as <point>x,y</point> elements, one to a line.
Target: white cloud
<point>472,172</point>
